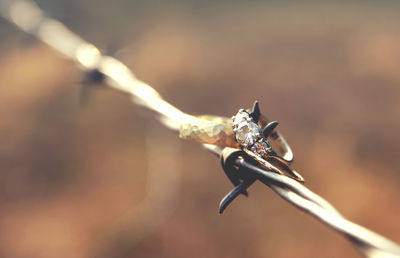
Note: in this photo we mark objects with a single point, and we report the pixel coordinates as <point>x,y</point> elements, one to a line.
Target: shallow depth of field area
<point>74,178</point>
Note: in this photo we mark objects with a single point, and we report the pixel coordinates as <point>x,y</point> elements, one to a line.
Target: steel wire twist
<point>27,16</point>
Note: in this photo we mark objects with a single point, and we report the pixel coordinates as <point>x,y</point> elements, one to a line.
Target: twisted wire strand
<point>369,243</point>
<point>27,16</point>
<point>211,131</point>
<point>31,19</point>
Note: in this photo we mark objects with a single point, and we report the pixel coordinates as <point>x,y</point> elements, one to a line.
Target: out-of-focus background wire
<point>87,55</point>
<point>30,18</point>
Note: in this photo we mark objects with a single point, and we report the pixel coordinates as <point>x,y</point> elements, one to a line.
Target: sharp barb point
<point>269,128</point>
<point>255,113</point>
<point>241,188</point>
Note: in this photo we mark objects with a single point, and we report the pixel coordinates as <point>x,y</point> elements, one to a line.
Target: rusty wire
<point>27,16</point>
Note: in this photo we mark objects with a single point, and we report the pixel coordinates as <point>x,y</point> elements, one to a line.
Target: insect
<point>255,141</point>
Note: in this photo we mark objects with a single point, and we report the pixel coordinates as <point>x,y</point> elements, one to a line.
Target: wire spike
<point>240,188</point>
<point>255,113</point>
<point>269,128</point>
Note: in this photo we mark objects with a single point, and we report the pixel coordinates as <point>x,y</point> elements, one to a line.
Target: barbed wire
<point>214,132</point>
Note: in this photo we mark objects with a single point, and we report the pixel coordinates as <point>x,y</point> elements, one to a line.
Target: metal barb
<point>261,151</point>
<point>241,170</point>
<point>269,128</point>
<point>369,243</point>
<point>238,176</point>
<point>256,113</point>
<point>91,78</point>
<point>241,188</point>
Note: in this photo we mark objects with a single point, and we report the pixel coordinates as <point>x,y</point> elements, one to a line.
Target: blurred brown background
<point>107,180</point>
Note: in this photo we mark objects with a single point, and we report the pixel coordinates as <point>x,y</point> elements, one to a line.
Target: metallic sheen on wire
<point>207,129</point>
